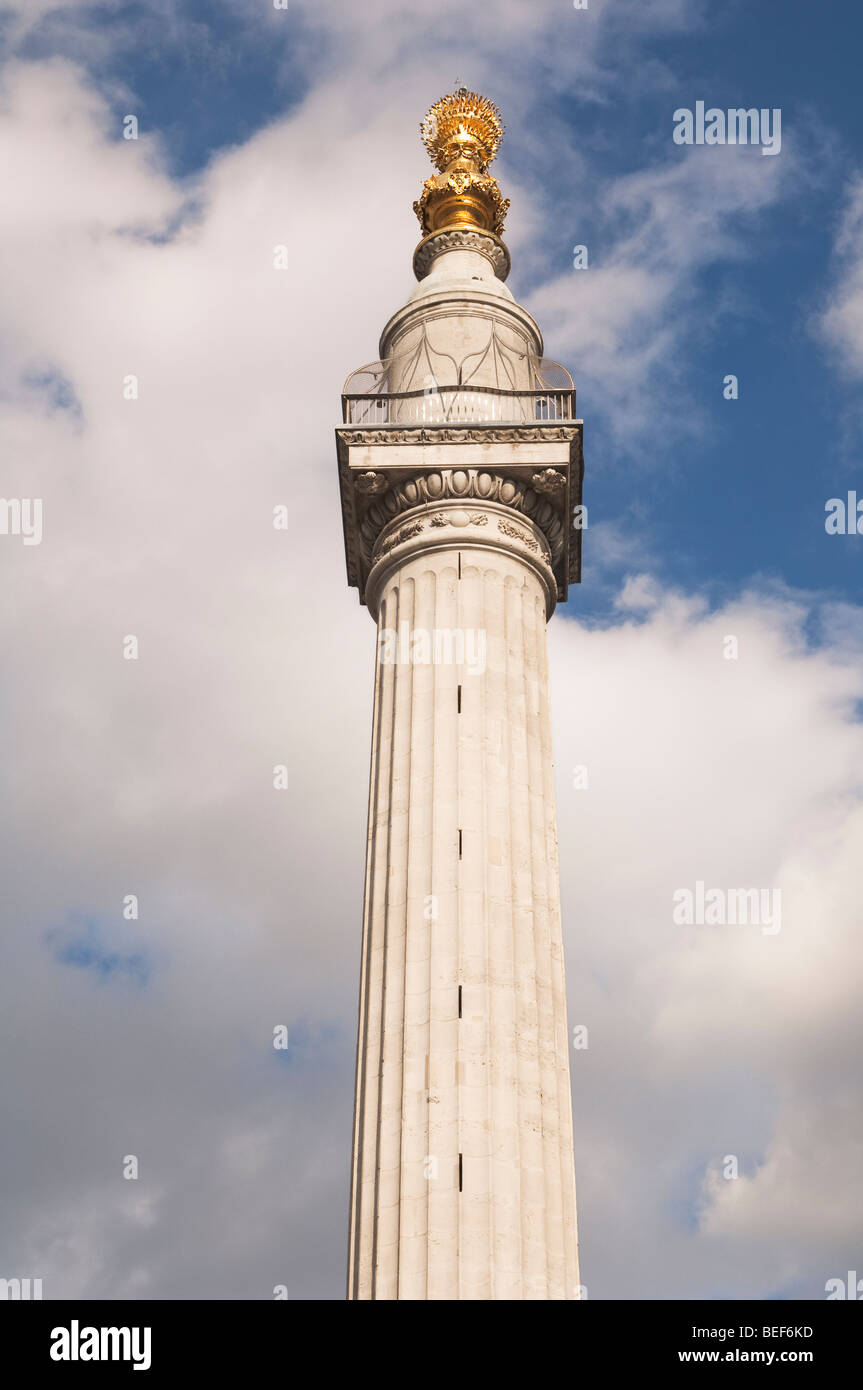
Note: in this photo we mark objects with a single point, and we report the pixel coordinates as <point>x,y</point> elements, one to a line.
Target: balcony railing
<point>456,405</point>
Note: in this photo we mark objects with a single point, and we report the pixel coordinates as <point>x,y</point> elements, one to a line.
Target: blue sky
<point>154,777</point>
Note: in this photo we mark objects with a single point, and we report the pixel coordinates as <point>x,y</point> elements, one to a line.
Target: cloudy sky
<point>153,258</point>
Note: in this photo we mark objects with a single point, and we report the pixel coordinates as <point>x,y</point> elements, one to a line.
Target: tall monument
<point>460,466</point>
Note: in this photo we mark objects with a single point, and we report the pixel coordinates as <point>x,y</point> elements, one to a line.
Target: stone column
<point>463,1185</point>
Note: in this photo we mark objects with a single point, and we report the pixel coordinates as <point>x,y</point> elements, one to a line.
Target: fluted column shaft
<point>462,1184</point>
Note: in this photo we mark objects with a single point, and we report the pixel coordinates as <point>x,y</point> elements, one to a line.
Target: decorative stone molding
<point>431,488</point>
<point>464,434</point>
<point>548,480</point>
<point>517,535</point>
<point>371,483</point>
<point>446,530</point>
<point>478,519</point>
<point>485,243</point>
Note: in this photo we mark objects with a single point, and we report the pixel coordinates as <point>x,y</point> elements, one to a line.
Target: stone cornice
<point>460,434</point>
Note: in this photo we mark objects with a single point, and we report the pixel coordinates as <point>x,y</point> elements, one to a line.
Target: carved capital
<point>396,476</point>
<point>460,522</point>
<point>429,489</point>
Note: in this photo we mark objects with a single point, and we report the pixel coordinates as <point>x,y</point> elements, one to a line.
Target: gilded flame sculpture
<point>462,132</point>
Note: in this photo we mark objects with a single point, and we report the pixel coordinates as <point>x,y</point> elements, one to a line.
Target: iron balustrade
<point>446,405</point>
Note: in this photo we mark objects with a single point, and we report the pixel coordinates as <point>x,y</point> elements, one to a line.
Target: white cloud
<point>840,322</point>
<point>710,1041</point>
